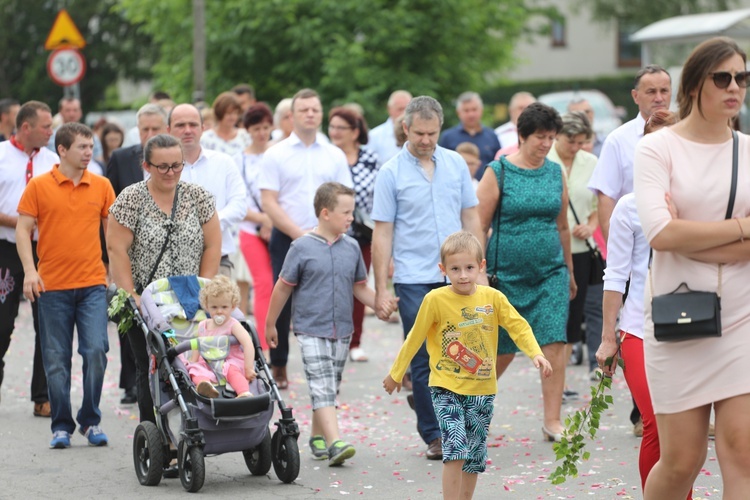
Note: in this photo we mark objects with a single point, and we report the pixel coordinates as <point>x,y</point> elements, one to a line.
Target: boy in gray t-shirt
<point>324,271</point>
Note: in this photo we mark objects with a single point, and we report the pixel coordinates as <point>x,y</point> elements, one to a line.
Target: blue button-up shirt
<point>423,212</point>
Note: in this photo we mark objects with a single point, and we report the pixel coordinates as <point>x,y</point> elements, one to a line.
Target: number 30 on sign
<point>66,66</point>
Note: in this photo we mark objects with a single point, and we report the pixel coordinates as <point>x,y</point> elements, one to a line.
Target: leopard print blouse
<point>136,210</point>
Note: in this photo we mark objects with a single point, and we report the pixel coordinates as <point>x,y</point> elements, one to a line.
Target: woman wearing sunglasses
<point>682,179</point>
<point>145,216</point>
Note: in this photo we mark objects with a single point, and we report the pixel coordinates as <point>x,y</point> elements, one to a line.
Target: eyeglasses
<point>722,79</point>
<point>338,127</point>
<point>163,169</point>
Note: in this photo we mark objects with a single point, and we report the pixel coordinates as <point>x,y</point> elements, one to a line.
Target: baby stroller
<point>195,425</point>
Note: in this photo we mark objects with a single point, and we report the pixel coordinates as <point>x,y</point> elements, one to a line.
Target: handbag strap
<point>733,189</point>
<point>166,240</point>
<point>730,208</point>
<point>498,210</point>
<point>575,216</point>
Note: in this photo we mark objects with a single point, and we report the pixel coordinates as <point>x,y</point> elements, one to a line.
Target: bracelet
<point>742,233</point>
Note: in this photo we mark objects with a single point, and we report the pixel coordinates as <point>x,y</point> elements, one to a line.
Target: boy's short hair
<point>461,241</point>
<point>468,148</point>
<point>67,133</point>
<point>220,285</point>
<point>327,196</point>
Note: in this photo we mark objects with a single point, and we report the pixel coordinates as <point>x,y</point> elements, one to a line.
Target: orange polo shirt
<point>68,218</point>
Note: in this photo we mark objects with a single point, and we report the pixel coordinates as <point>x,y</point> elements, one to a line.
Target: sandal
<point>279,375</point>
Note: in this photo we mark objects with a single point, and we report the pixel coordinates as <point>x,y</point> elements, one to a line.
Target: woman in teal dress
<point>529,249</point>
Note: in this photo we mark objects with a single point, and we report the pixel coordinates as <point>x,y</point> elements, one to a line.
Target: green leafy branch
<point>571,448</point>
<point>120,312</point>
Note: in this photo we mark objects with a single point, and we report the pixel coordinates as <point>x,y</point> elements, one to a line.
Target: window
<point>628,53</point>
<point>558,33</point>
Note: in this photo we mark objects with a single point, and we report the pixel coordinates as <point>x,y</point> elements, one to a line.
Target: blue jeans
<point>59,312</point>
<point>410,299</point>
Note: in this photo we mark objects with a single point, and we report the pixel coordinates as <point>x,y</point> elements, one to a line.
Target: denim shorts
<point>464,424</point>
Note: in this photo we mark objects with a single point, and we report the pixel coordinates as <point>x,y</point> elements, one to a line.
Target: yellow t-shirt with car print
<point>461,333</point>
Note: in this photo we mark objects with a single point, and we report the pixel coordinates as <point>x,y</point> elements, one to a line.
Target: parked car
<point>607,116</point>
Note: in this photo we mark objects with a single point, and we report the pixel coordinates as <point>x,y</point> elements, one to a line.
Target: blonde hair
<point>218,287</point>
<point>468,148</point>
<point>460,242</point>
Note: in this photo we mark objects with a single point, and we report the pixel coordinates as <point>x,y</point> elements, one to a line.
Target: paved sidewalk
<point>389,463</point>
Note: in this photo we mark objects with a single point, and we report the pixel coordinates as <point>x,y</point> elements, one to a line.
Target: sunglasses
<point>722,79</point>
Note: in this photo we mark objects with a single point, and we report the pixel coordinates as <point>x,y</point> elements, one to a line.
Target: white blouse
<point>627,257</point>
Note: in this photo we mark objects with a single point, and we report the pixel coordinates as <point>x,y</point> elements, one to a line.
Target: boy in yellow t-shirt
<point>460,324</point>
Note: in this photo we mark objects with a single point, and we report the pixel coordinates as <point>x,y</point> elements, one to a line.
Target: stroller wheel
<point>148,454</point>
<point>285,457</point>
<point>191,466</point>
<point>258,459</point>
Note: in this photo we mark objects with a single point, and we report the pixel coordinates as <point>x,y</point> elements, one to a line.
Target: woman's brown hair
<point>704,58</point>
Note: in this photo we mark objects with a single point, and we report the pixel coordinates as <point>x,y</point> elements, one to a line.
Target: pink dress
<point>200,370</point>
<point>688,374</point>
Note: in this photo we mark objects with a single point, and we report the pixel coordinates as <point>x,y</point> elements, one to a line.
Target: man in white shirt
<point>507,133</point>
<point>22,157</point>
<point>382,139</point>
<point>290,173</point>
<point>213,170</point>
<point>613,175</point>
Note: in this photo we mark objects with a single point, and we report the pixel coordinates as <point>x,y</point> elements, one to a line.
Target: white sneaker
<point>357,354</point>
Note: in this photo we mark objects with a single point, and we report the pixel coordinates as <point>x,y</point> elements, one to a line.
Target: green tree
<point>644,12</point>
<point>348,50</point>
<point>114,49</point>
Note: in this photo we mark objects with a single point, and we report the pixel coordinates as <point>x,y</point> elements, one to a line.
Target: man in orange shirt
<point>68,205</point>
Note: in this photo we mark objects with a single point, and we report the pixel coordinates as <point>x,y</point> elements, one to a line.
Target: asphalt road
<point>389,463</point>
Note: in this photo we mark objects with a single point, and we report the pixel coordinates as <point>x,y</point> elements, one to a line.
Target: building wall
<point>590,50</point>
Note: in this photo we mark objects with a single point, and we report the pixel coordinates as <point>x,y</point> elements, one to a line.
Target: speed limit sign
<point>66,66</point>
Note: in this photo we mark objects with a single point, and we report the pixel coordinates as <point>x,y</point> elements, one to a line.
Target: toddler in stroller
<point>211,364</point>
<point>190,425</point>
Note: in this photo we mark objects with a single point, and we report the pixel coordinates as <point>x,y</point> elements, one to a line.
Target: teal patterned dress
<point>529,260</point>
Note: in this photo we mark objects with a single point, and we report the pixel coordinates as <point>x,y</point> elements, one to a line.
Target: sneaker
<point>339,452</point>
<point>319,448</point>
<point>357,354</point>
<point>95,435</point>
<point>60,440</point>
<point>596,375</point>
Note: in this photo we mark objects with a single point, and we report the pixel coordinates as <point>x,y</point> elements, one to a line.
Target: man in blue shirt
<point>422,195</point>
<point>469,109</point>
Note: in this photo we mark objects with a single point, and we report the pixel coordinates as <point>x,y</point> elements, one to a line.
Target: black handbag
<point>363,225</point>
<point>691,315</point>
<point>596,269</point>
<point>686,316</point>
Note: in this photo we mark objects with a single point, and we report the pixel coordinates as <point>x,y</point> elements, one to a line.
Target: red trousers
<point>635,376</point>
<point>258,260</point>
<point>358,317</point>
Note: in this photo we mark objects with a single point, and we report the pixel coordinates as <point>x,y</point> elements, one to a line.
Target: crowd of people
<point>513,220</point>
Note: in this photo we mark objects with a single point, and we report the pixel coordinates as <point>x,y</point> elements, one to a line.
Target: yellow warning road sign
<point>64,33</point>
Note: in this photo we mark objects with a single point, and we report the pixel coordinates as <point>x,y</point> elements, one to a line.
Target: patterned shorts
<point>323,360</point>
<point>464,424</point>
